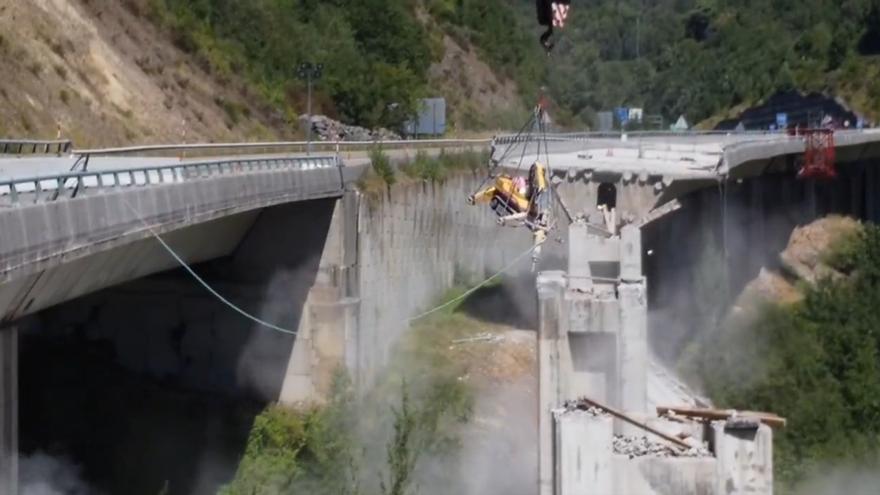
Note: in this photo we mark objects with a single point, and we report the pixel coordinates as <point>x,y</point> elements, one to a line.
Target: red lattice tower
<point>819,154</point>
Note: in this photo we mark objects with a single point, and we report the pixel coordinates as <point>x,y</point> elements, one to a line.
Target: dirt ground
<point>500,444</point>
<point>98,72</point>
<point>101,73</point>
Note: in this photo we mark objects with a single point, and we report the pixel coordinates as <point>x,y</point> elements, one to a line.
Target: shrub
<point>382,166</point>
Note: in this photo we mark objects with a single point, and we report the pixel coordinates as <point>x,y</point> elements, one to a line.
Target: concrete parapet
<point>586,463</point>
<point>663,476</point>
<point>745,459</point>
<point>584,450</point>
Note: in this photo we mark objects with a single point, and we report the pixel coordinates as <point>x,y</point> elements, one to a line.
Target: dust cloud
<point>840,480</point>
<point>42,474</point>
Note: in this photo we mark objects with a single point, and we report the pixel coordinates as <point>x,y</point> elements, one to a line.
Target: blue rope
<point>204,284</point>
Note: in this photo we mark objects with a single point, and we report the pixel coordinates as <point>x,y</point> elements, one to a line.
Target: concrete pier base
<point>584,450</point>
<point>587,464</point>
<point>9,410</point>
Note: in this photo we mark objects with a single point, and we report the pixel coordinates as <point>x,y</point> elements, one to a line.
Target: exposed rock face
<point>804,260</point>
<point>809,246</point>
<point>326,129</point>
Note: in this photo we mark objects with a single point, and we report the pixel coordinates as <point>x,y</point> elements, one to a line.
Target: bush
<point>382,166</point>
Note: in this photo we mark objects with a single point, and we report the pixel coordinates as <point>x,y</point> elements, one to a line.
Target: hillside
<point>107,72</point>
<point>95,72</point>
<point>702,57</point>
<point>802,342</point>
<point>172,70</point>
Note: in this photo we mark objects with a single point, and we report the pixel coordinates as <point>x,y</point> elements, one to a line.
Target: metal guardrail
<point>48,188</point>
<point>635,135</point>
<point>282,146</point>
<point>33,147</point>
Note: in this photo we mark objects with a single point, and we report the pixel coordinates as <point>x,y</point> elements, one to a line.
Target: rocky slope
<point>803,262</point>
<point>102,73</point>
<point>97,72</point>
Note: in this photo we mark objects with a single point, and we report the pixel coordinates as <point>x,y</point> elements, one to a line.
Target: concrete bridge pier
<point>592,336</point>
<point>9,410</point>
<point>552,343</point>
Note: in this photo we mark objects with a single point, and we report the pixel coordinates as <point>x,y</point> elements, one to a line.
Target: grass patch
<point>381,165</point>
<point>64,96</point>
<point>234,111</point>
<point>35,68</point>
<point>382,173</point>
<point>425,168</point>
<point>61,71</point>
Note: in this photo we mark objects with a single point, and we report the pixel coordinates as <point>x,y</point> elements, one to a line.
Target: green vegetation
<point>334,449</point>
<point>382,167</point>
<point>817,362</point>
<point>702,57</point>
<point>375,55</point>
<point>699,58</point>
<point>383,174</point>
<point>436,169</point>
<point>306,451</point>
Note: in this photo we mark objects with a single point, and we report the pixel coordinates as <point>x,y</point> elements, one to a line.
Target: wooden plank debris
<point>768,419</point>
<point>619,415</point>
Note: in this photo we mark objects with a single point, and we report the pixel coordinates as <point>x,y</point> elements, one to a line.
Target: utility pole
<point>310,73</point>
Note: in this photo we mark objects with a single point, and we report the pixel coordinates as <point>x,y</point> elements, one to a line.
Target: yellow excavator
<point>517,199</point>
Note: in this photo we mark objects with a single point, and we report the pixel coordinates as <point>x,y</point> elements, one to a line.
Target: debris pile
<point>580,406</point>
<point>481,337</point>
<point>326,129</point>
<point>632,447</point>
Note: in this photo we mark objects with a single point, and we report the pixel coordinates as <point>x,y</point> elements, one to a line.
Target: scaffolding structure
<point>819,154</point>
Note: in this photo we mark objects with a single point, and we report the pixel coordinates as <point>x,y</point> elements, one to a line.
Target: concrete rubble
<point>621,436</point>
<point>579,406</point>
<point>485,337</point>
<point>326,129</point>
<point>642,446</point>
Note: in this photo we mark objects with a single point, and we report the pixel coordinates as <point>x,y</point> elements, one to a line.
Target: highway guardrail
<point>34,147</point>
<point>68,185</point>
<point>208,149</point>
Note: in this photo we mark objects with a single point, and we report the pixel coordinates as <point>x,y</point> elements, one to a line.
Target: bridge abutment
<point>9,409</point>
<point>327,339</point>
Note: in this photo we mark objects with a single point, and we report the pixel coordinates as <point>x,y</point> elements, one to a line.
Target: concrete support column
<point>856,184</point>
<point>872,208</point>
<point>812,199</point>
<point>632,347</point>
<point>9,410</point>
<point>551,388</point>
<point>756,225</point>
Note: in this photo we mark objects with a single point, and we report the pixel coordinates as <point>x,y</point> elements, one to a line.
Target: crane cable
<point>474,288</point>
<point>287,331</point>
<point>201,281</point>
